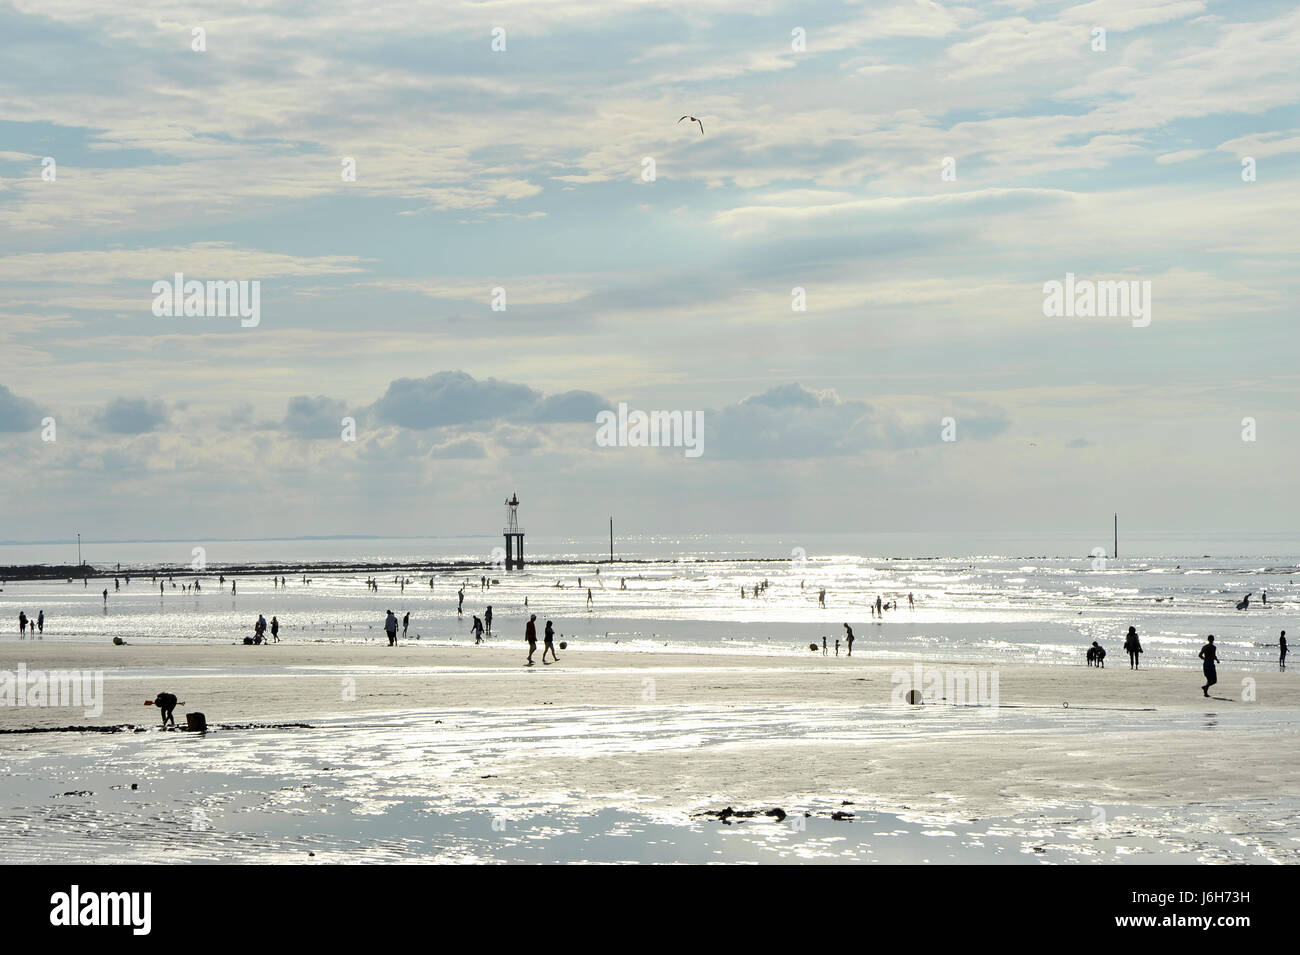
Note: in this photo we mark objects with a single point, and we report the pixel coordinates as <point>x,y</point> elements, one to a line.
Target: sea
<point>969,598</point>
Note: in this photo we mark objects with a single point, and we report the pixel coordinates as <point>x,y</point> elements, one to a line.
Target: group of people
<point>1208,655</point>
<point>482,626</point>
<point>879,607</point>
<point>848,639</point>
<point>530,637</point>
<point>37,624</point>
<point>259,636</point>
<point>479,627</point>
<point>1132,646</point>
<point>390,626</point>
<point>373,585</point>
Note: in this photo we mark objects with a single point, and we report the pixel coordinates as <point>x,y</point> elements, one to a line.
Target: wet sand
<point>1145,737</point>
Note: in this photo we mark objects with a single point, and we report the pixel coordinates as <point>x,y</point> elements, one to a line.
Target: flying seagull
<point>693,120</point>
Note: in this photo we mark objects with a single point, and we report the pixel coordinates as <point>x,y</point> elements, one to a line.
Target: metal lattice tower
<point>514,534</point>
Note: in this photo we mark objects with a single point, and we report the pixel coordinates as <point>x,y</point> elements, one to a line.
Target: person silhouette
<point>1133,647</point>
<point>1097,655</point>
<point>166,703</point>
<point>548,643</point>
<point>1210,667</point>
<point>530,635</point>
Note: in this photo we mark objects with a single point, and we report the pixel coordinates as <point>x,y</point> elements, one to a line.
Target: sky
<point>843,274</point>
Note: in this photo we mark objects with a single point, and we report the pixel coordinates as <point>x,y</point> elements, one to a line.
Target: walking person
<point>275,629</point>
<point>487,620</point>
<point>588,596</point>
<point>823,646</point>
<point>1210,668</point>
<point>40,624</point>
<point>548,643</point>
<point>406,619</point>
<point>477,630</point>
<point>460,601</point>
<point>390,625</point>
<point>1281,642</point>
<point>22,624</point>
<point>1133,647</point>
<point>530,635</point>
<point>848,638</point>
<point>821,597</point>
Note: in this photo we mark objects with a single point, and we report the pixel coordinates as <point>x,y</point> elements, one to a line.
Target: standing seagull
<point>693,120</point>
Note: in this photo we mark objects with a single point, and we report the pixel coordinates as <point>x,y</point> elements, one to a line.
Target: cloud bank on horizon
<point>472,233</point>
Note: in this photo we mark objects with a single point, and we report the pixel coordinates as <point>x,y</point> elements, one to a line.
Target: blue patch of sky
<point>70,146</point>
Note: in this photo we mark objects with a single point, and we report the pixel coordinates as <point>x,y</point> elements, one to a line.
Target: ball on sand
<point>564,645</point>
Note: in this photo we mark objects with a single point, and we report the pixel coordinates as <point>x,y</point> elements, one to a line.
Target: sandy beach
<point>696,731</point>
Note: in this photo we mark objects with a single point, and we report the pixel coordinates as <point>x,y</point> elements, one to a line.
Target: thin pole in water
<point>611,540</point>
<point>1116,554</point>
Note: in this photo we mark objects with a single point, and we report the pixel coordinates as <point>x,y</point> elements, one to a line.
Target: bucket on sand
<point>915,698</point>
<point>196,722</point>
